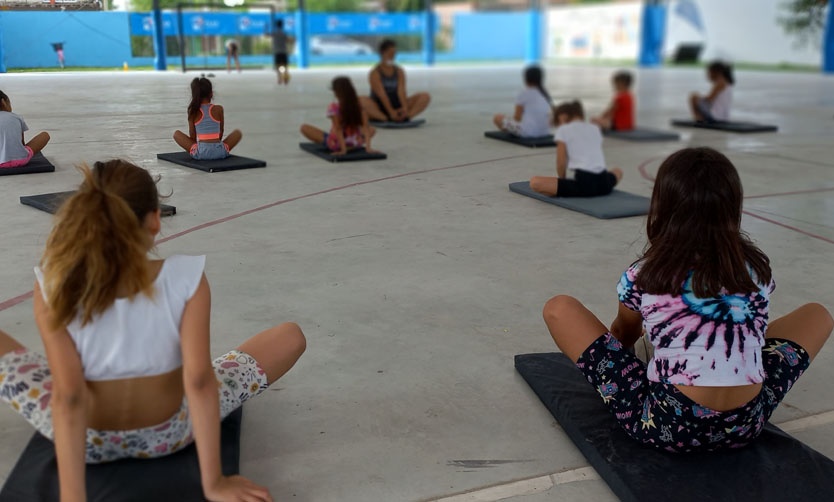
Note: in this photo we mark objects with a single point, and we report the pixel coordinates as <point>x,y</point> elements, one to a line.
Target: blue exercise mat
<point>409,124</point>
<point>774,468</point>
<point>325,153</point>
<point>740,127</point>
<point>617,204</point>
<point>174,477</point>
<point>38,164</point>
<point>230,163</point>
<point>51,202</point>
<point>537,142</point>
<point>642,135</point>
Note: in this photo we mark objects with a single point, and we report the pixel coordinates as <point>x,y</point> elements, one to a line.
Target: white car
<point>338,45</point>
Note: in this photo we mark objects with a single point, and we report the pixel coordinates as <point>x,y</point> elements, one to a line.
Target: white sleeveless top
<point>720,107</point>
<point>139,337</point>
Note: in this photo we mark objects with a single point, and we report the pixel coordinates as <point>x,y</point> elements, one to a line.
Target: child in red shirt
<point>620,113</point>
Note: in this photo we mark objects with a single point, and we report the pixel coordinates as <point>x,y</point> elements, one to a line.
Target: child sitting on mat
<point>350,129</point>
<point>619,116</point>
<point>701,291</point>
<point>14,150</point>
<point>715,107</point>
<point>532,109</point>
<point>128,371</point>
<point>579,149</point>
<point>205,126</point>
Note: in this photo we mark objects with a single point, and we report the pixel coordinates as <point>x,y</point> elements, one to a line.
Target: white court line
<point>543,483</point>
<point>800,424</point>
<point>523,487</point>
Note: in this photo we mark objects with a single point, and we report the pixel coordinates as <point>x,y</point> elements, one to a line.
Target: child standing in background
<point>350,129</point>
<point>532,109</point>
<point>205,126</point>
<point>578,148</point>
<point>280,48</point>
<point>715,107</point>
<point>14,151</point>
<point>619,116</point>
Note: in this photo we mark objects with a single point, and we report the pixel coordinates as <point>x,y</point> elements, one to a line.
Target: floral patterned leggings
<point>26,384</point>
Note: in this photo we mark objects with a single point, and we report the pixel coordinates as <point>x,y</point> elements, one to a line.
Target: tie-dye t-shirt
<point>709,342</point>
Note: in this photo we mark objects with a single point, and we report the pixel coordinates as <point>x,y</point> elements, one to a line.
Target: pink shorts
<point>19,162</point>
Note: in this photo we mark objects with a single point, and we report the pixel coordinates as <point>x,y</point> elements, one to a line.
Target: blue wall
<point>490,35</point>
<point>90,38</point>
<point>102,39</point>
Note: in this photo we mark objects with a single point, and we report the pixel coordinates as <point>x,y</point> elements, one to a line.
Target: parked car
<point>338,45</point>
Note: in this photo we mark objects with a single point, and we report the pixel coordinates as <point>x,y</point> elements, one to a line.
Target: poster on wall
<point>594,32</point>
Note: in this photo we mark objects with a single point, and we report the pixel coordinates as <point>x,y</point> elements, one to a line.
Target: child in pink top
<point>350,129</point>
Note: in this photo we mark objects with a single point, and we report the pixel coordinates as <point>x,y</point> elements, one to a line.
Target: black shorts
<point>281,60</point>
<point>586,184</point>
<point>231,50</point>
<point>661,416</point>
<point>394,100</point>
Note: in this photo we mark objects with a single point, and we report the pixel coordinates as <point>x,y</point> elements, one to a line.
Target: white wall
<point>739,31</point>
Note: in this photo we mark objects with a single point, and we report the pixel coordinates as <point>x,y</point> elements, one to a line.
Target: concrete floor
<point>418,278</point>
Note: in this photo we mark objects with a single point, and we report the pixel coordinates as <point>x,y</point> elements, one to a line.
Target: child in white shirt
<point>532,108</point>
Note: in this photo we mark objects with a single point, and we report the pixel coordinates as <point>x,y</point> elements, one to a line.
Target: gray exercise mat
<point>615,205</point>
<point>539,142</point>
<point>230,163</point>
<point>740,127</point>
<point>323,152</point>
<point>38,164</point>
<point>642,135</point>
<point>410,124</point>
<point>51,202</point>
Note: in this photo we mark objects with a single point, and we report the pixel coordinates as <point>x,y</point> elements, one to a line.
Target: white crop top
<point>139,337</point>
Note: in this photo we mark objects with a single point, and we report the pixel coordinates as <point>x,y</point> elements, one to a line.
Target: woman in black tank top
<point>388,101</point>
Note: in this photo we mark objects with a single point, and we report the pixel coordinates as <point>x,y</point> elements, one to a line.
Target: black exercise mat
<point>540,142</point>
<point>50,202</point>
<point>617,204</point>
<point>741,127</point>
<point>642,135</point>
<point>776,467</point>
<point>174,477</point>
<point>230,163</point>
<point>410,124</point>
<point>323,152</point>
<point>38,164</point>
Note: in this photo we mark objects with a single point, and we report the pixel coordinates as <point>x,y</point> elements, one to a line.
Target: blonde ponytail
<point>98,247</point>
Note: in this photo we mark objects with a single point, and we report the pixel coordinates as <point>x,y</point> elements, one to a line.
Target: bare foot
<point>618,173</point>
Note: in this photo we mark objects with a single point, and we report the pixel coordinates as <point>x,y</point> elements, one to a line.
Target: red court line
<point>789,227</point>
<point>11,302</point>
<point>645,174</point>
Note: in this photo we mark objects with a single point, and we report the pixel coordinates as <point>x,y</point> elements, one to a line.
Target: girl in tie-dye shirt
<point>701,291</point>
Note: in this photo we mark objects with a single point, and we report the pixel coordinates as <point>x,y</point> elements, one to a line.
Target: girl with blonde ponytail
<point>127,343</point>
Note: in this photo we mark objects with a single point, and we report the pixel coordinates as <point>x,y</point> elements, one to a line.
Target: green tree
<point>804,19</point>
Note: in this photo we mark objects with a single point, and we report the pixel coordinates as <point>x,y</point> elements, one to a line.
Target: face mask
<point>389,62</point>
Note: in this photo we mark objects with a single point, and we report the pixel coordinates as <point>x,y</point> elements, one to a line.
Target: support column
<point>533,51</point>
<point>159,62</point>
<point>653,34</point>
<point>302,38</point>
<point>828,41</point>
<point>428,34</point>
<point>2,51</point>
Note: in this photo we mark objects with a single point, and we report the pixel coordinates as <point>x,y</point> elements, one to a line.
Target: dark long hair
<point>694,225</point>
<point>534,77</point>
<point>723,69</point>
<point>200,89</point>
<point>573,109</point>
<point>349,109</point>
